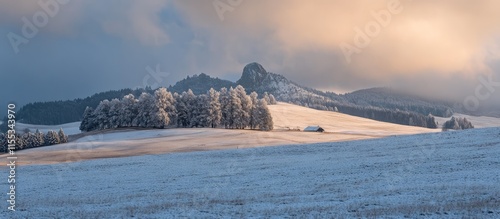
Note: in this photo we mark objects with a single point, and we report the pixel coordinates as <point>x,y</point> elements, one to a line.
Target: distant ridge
<point>200,84</point>
<point>381,104</point>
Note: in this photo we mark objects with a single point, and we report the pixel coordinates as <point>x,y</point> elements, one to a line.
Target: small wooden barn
<point>314,129</point>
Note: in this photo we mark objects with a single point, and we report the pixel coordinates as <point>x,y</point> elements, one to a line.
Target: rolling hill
<point>133,142</point>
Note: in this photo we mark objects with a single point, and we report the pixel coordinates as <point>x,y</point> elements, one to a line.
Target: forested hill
<point>379,104</point>
<point>59,112</point>
<point>392,99</point>
<point>200,84</point>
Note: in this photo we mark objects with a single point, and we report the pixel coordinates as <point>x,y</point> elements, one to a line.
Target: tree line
<point>231,109</point>
<point>391,99</point>
<point>33,140</point>
<point>370,112</point>
<point>59,112</point>
<point>457,124</point>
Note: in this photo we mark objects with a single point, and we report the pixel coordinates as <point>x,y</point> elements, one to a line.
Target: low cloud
<point>447,43</point>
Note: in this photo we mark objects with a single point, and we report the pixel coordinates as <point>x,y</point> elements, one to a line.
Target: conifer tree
<point>63,138</point>
<point>236,111</point>
<point>88,121</point>
<point>214,108</point>
<point>40,138</point>
<point>161,119</point>
<point>129,110</point>
<point>52,138</point>
<point>265,121</point>
<point>272,100</point>
<point>254,113</point>
<point>224,100</point>
<point>115,116</point>
<point>3,143</point>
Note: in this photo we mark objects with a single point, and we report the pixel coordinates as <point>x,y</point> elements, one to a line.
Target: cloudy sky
<point>65,49</point>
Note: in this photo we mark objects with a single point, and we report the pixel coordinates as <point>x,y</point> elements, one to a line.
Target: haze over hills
<point>383,104</point>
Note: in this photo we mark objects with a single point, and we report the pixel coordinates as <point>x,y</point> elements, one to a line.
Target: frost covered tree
<point>182,110</point>
<point>246,106</point>
<point>457,124</point>
<point>31,140</point>
<point>254,113</point>
<point>170,108</point>
<point>237,119</point>
<point>115,116</point>
<point>267,98</point>
<point>264,120</point>
<point>272,100</point>
<point>146,111</point>
<point>224,100</point>
<point>186,109</point>
<point>214,109</point>
<point>3,143</point>
<point>63,138</point>
<point>40,138</point>
<point>232,109</point>
<point>129,110</point>
<point>200,111</point>
<point>24,139</point>
<point>192,111</point>
<point>20,142</point>
<point>101,115</point>
<point>52,138</point>
<point>431,122</point>
<point>88,122</point>
<point>161,119</point>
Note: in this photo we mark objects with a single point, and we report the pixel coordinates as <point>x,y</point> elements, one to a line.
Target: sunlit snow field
<point>440,175</point>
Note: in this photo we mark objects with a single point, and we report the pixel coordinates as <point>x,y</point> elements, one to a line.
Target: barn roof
<point>312,128</point>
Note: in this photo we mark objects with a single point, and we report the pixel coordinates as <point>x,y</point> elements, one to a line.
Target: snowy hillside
<point>289,116</point>
<point>256,78</point>
<point>440,175</point>
<point>133,142</point>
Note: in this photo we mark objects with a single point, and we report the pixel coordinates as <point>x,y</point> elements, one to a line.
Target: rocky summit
<point>253,75</point>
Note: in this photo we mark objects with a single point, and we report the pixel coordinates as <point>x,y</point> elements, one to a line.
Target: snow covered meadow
<point>452,174</point>
<point>69,128</point>
<point>286,117</point>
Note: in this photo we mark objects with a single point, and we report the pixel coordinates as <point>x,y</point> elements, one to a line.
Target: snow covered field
<point>452,174</point>
<point>338,126</point>
<point>289,116</point>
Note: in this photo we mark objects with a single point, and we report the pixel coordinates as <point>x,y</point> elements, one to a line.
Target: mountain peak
<point>253,75</point>
<point>254,66</point>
